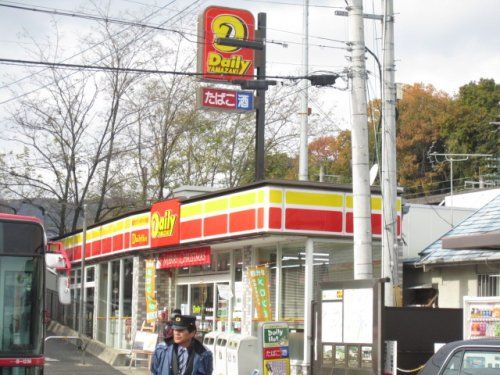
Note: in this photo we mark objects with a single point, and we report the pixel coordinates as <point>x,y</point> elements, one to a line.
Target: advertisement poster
<point>340,356</point>
<point>151,303</point>
<point>277,366</point>
<point>275,335</point>
<point>358,316</point>
<point>261,295</point>
<point>328,355</point>
<point>220,62</point>
<point>366,357</point>
<point>353,357</point>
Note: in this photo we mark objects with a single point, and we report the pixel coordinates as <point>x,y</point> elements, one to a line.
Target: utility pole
<point>389,181</point>
<point>304,111</point>
<point>363,268</point>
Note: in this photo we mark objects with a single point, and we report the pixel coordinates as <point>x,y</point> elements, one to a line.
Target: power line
<point>294,4</point>
<point>94,45</point>
<point>123,70</point>
<point>159,28</point>
<point>83,51</point>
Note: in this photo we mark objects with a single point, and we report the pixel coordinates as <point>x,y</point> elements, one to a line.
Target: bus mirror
<point>63,290</point>
<point>54,260</point>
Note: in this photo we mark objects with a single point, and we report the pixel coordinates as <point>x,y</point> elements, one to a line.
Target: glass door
<point>202,306</point>
<point>223,295</point>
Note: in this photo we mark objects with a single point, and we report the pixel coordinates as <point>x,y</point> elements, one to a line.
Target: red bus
<point>23,246</point>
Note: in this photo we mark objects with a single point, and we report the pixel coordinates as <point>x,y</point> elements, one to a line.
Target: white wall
<point>475,199</point>
<point>453,284</point>
<point>424,224</point>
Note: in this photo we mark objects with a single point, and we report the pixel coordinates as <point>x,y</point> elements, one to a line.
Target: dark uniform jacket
<point>164,361</point>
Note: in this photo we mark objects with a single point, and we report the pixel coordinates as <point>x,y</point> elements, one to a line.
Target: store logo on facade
<point>139,238</point>
<point>163,226</point>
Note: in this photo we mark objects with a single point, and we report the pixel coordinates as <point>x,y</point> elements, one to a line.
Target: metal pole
<point>363,268</point>
<point>451,190</point>
<point>308,297</point>
<point>121,297</point>
<point>303,150</point>
<point>260,103</point>
<point>389,182</point>
<point>81,329</point>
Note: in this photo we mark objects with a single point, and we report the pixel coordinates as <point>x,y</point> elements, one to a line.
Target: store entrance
<point>207,303</point>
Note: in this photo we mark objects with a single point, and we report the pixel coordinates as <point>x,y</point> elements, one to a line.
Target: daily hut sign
<point>164,224</point>
<point>218,62</point>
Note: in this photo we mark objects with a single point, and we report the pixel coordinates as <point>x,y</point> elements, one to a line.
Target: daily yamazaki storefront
<point>202,255</point>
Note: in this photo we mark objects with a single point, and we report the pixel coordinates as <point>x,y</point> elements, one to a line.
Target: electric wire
<point>96,44</point>
<point>88,48</point>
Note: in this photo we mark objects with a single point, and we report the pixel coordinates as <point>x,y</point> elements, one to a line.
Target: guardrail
<point>82,344</point>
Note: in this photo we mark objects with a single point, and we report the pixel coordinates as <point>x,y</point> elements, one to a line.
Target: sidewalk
<point>63,357</point>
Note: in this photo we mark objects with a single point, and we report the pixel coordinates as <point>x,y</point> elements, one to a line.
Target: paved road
<point>61,357</point>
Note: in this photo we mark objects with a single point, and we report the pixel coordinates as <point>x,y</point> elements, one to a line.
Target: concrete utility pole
<point>304,108</point>
<point>363,268</point>
<point>389,181</point>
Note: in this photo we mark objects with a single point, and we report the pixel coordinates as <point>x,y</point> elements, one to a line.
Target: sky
<point>446,43</point>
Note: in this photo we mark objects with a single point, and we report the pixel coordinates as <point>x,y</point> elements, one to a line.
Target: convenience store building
<point>202,247</point>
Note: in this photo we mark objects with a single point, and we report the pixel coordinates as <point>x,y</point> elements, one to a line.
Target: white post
<point>359,135</point>
<point>82,329</point>
<point>232,275</point>
<point>308,298</point>
<point>303,152</point>
<point>389,183</point>
<point>121,290</point>
<point>279,277</point>
<point>451,190</point>
<point>109,299</point>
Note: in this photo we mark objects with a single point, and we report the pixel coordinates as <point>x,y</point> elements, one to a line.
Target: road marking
<point>48,359</point>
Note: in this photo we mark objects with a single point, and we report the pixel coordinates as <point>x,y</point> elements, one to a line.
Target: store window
<point>220,262</point>
<point>293,280</point>
<point>238,262</point>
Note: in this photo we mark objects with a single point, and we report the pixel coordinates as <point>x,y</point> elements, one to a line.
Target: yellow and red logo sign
<point>220,62</point>
<point>165,223</point>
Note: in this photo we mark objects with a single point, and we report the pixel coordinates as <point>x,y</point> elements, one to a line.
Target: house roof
<point>485,220</point>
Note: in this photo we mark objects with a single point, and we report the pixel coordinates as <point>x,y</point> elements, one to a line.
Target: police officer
<point>182,354</point>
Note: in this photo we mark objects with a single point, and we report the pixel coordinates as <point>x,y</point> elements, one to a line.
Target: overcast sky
<point>446,43</point>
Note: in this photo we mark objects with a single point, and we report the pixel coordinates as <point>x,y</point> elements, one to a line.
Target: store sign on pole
<point>226,100</point>
<point>165,223</point>
<point>275,346</point>
<point>220,62</point>
<point>151,303</point>
<point>259,281</point>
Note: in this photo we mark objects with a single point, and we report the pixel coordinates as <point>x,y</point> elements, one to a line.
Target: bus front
<point>22,248</point>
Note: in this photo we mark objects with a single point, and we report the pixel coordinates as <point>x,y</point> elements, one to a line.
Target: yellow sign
<point>151,303</point>
<point>279,366</point>
<point>259,281</point>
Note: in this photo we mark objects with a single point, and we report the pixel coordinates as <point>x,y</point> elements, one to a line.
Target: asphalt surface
<point>62,357</point>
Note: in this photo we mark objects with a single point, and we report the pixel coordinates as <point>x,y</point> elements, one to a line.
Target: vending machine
<point>481,317</point>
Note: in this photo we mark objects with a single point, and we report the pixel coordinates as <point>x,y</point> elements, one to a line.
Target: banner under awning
<point>185,258</point>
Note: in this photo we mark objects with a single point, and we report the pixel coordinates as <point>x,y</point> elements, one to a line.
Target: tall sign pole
<point>389,181</point>
<point>304,106</point>
<point>363,268</point>
<point>260,103</point>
